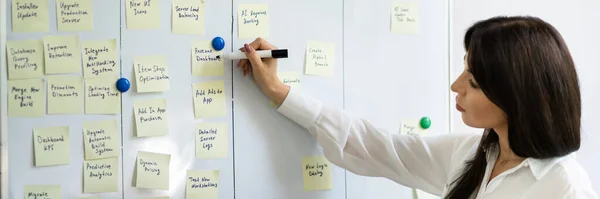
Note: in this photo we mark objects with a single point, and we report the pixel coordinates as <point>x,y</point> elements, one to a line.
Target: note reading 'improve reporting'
<point>202,184</point>
<point>151,73</point>
<point>74,15</point>
<point>317,173</point>
<point>211,140</point>
<point>51,145</point>
<point>29,16</point>
<point>101,175</point>
<point>188,17</point>
<point>204,59</point>
<point>405,18</point>
<point>100,58</point>
<point>26,98</point>
<point>319,58</point>
<point>209,99</point>
<point>142,14</point>
<point>102,96</point>
<point>65,95</point>
<point>101,139</point>
<point>151,117</point>
<point>25,59</point>
<point>152,170</point>
<point>253,21</point>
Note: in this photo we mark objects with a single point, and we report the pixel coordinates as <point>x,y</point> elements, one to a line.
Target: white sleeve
<point>354,144</point>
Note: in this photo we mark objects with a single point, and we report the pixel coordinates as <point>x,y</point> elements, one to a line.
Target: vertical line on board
<point>121,75</point>
<point>449,66</point>
<point>232,101</point>
<point>344,84</point>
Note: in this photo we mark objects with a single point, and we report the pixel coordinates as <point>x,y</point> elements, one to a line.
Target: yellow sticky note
<point>151,117</point>
<point>30,16</point>
<point>102,96</point>
<point>65,95</point>
<point>51,145</point>
<point>26,98</point>
<point>74,15</point>
<point>211,140</point>
<point>290,78</point>
<point>43,191</point>
<point>90,197</point>
<point>317,173</point>
<point>101,139</point>
<point>101,175</point>
<point>188,17</point>
<point>209,99</point>
<point>142,14</point>
<point>99,58</point>
<point>202,184</point>
<point>405,18</point>
<point>320,58</point>
<point>62,54</point>
<point>253,21</point>
<point>411,127</point>
<point>25,59</point>
<point>151,73</point>
<point>204,59</point>
<point>152,170</point>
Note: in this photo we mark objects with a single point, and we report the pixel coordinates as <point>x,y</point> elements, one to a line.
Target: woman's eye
<point>473,84</point>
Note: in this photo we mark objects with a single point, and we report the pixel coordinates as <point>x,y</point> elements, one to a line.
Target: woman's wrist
<point>278,92</point>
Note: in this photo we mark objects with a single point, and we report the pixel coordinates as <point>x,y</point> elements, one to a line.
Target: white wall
<point>578,22</point>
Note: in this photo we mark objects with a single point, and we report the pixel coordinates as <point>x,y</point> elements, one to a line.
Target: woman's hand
<point>264,70</point>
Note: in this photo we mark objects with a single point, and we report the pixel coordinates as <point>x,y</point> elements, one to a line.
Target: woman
<point>519,83</point>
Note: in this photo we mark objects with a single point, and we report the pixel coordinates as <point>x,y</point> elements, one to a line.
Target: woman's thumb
<point>252,55</point>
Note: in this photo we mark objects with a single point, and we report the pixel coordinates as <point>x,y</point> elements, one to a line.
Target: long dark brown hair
<point>522,65</point>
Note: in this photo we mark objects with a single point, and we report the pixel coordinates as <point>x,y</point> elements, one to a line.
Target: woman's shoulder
<point>563,173</point>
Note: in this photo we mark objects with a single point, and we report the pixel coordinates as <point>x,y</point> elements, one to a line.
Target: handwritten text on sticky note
<point>142,14</point>
<point>405,18</point>
<point>51,145</point>
<point>74,15</point>
<point>102,96</point>
<point>101,175</point>
<point>25,59</point>
<point>65,95</point>
<point>99,58</point>
<point>188,16</point>
<point>30,16</point>
<point>317,173</point>
<point>411,127</point>
<point>202,184</point>
<point>62,54</point>
<point>43,191</point>
<point>320,58</point>
<point>209,99</point>
<point>101,139</point>
<point>204,59</point>
<point>151,117</point>
<point>253,21</point>
<point>211,140</point>
<point>151,73</point>
<point>26,98</point>
<point>152,170</point>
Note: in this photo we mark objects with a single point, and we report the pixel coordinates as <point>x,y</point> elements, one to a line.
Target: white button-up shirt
<point>429,163</point>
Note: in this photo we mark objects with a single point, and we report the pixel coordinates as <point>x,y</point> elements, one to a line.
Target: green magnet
<point>425,122</point>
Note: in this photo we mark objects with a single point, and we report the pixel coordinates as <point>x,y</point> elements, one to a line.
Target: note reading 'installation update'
<point>29,16</point>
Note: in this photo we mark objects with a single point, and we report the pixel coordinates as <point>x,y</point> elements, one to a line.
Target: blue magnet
<point>123,85</point>
<point>218,43</point>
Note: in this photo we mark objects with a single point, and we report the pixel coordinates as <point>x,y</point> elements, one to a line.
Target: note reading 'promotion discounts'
<point>204,59</point>
<point>151,73</point>
<point>101,175</point>
<point>29,16</point>
<point>317,173</point>
<point>405,18</point>
<point>152,170</point>
<point>202,184</point>
<point>142,14</point>
<point>102,96</point>
<point>99,58</point>
<point>51,145</point>
<point>209,99</point>
<point>320,58</point>
<point>211,140</point>
<point>26,98</point>
<point>25,59</point>
<point>74,15</point>
<point>42,191</point>
<point>65,95</point>
<point>62,54</point>
<point>101,139</point>
<point>151,117</point>
<point>253,21</point>
<point>188,17</point>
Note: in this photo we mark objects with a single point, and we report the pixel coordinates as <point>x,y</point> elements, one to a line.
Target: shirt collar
<point>539,167</point>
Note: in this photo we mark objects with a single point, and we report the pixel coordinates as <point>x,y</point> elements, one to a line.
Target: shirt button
<point>526,164</point>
